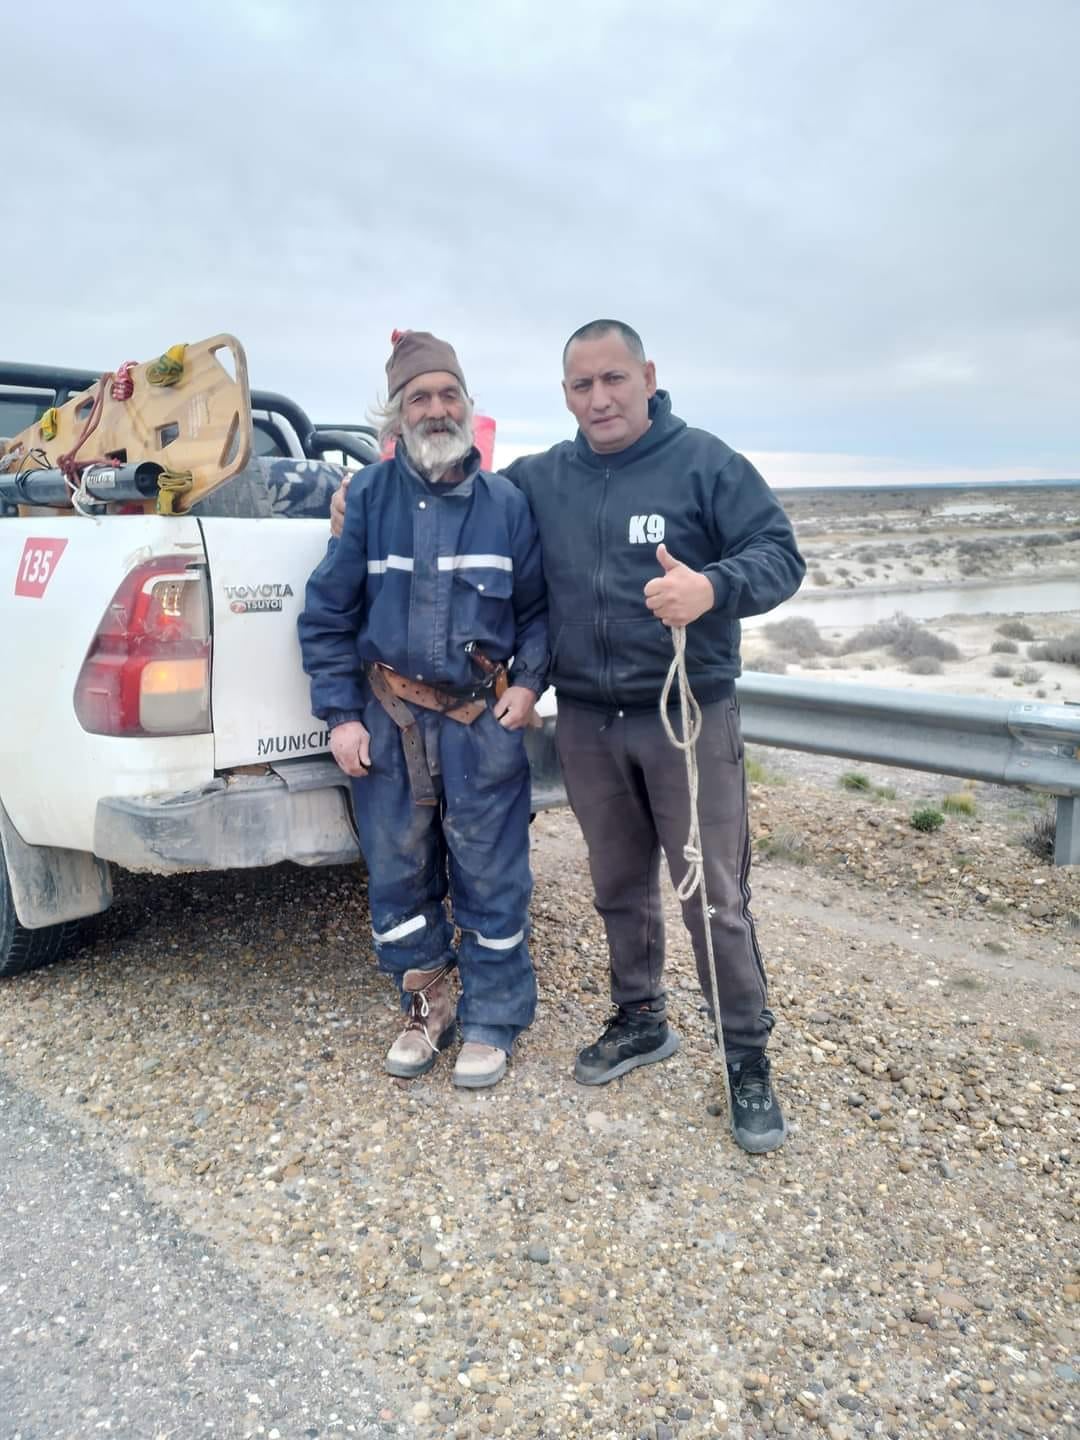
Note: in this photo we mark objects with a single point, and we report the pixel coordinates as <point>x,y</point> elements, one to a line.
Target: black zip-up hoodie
<point>601,518</point>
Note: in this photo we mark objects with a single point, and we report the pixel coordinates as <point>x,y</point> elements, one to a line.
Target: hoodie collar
<point>664,425</point>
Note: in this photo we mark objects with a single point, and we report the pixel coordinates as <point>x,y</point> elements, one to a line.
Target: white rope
<point>693,853</point>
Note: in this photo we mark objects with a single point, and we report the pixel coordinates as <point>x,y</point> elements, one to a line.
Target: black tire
<point>22,949</point>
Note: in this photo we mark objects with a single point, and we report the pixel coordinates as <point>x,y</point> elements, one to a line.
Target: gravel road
<point>119,1320</point>
<point>548,1260</point>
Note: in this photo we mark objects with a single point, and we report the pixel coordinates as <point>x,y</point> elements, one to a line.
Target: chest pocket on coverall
<point>479,610</point>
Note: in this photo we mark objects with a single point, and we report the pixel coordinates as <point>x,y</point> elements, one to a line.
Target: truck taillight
<point>147,671</point>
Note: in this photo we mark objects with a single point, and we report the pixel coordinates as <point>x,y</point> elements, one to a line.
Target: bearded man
<point>424,634</point>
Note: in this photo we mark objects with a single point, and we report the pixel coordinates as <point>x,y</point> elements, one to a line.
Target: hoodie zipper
<point>598,591</point>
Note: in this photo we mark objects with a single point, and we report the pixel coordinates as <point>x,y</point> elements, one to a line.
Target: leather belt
<point>453,705</point>
<point>393,690</point>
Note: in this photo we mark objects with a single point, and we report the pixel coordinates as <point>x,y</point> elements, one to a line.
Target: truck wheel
<point>22,949</point>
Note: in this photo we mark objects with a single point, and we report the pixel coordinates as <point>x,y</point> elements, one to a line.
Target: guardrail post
<point>1067,831</point>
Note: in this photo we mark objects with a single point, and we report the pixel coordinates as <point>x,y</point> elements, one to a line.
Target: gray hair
<point>385,415</point>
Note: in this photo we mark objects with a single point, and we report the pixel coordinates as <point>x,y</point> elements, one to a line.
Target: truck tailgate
<point>258,570</point>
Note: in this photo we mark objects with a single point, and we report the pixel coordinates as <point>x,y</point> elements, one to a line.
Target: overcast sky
<point>848,231</point>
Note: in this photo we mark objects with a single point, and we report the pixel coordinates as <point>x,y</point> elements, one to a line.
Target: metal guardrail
<point>1001,742</point>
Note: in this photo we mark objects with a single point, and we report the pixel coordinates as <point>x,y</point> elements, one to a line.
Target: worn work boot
<point>757,1121</point>
<point>479,1065</point>
<point>634,1035</point>
<point>430,1026</point>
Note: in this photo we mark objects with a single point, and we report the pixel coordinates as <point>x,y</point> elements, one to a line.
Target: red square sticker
<point>37,565</point>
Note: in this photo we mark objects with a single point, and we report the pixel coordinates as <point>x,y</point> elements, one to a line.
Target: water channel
<point>999,597</point>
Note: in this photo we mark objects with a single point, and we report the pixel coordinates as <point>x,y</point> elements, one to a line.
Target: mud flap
<point>50,886</point>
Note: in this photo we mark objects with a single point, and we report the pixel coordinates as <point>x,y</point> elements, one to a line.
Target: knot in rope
<point>691,724</point>
<point>123,386</point>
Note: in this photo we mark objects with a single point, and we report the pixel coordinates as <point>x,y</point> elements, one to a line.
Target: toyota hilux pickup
<point>155,541</point>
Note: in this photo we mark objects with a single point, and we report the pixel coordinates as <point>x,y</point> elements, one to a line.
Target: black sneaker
<point>635,1036</point>
<point>757,1121</point>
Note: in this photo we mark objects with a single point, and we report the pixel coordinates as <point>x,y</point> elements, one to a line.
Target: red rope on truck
<point>67,464</point>
<point>123,386</point>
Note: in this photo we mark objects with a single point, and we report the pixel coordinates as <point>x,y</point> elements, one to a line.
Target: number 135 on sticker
<point>37,565</point>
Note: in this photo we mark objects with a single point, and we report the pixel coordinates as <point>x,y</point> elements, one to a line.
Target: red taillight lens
<point>148,668</point>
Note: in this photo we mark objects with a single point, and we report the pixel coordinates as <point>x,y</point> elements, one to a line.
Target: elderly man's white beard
<point>436,446</point>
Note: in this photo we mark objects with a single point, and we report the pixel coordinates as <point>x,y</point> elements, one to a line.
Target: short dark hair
<point>596,328</point>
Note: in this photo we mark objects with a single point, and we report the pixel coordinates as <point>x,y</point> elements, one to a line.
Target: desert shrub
<point>903,637</point>
<point>819,577</point>
<point>1029,675</point>
<point>872,637</point>
<point>865,557</point>
<point>1016,630</point>
<point>915,640</point>
<point>1040,838</point>
<point>757,773</point>
<point>768,665</point>
<point>917,570</point>
<point>799,635</point>
<point>975,547</point>
<point>924,665</point>
<point>927,819</point>
<point>853,780</point>
<point>1065,651</point>
<point>1004,647</point>
<point>1001,671</point>
<point>785,844</point>
<point>885,792</point>
<point>960,802</point>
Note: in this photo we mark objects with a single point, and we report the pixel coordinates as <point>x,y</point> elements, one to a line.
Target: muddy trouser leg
<point>403,846</point>
<point>485,776</point>
<point>608,795</point>
<point>725,841</point>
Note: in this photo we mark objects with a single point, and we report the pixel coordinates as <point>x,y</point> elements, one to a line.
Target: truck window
<point>20,408</point>
<point>267,439</point>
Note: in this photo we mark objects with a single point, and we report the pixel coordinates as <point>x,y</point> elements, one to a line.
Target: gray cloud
<point>840,227</point>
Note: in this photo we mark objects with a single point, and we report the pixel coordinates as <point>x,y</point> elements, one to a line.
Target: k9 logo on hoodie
<point>646,529</point>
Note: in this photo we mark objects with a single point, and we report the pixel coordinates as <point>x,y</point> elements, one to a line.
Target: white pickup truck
<point>157,715</point>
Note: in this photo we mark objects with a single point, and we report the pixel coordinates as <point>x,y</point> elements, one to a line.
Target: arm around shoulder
<point>529,600</point>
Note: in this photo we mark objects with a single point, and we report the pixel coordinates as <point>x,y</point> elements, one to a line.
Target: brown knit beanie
<point>416,352</point>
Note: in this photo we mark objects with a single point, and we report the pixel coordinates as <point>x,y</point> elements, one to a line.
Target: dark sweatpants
<point>627,785</point>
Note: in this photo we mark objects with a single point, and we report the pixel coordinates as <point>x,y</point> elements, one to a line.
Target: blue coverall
<point>422,570</point>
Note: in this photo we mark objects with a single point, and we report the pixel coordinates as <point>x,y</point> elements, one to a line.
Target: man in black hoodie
<point>646,524</point>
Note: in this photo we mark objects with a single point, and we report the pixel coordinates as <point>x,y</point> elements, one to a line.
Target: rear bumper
<point>298,810</point>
